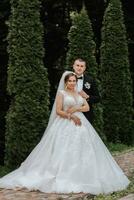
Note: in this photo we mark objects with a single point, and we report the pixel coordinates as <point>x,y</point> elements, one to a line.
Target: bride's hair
<point>70,75</point>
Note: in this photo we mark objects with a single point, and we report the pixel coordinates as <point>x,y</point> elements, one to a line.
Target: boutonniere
<point>87,85</point>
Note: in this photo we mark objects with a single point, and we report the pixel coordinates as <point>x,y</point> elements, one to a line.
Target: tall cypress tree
<point>82,45</point>
<point>115,76</point>
<point>27,81</point>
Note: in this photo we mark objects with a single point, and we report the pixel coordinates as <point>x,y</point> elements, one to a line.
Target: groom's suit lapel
<point>86,83</point>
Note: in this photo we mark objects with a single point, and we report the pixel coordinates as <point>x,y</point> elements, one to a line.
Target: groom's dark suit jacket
<point>89,86</point>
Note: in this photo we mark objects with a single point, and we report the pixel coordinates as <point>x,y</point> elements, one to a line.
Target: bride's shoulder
<point>61,92</point>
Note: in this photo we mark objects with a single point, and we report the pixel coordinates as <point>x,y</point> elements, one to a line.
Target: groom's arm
<point>94,96</point>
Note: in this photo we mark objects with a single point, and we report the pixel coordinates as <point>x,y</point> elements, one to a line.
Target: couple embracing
<point>86,87</point>
<point>71,156</point>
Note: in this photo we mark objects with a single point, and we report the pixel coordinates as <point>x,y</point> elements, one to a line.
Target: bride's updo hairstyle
<point>68,76</point>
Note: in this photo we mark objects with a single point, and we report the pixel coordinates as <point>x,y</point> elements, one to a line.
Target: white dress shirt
<point>80,84</point>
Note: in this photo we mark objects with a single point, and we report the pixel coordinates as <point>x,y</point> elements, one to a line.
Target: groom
<point>86,87</point>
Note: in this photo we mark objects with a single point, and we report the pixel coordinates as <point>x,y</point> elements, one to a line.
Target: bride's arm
<point>59,107</point>
<point>84,108</point>
<point>64,114</point>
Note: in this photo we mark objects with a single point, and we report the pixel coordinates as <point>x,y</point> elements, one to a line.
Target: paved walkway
<point>125,160</point>
<point>128,197</point>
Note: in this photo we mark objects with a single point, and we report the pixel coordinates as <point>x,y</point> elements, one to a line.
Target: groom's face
<point>79,67</point>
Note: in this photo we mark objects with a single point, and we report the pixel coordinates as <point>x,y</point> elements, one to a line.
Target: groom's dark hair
<point>81,60</point>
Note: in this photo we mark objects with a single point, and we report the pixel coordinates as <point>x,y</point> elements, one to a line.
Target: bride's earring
<point>65,86</point>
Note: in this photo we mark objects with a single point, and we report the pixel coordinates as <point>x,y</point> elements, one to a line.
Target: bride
<point>70,157</point>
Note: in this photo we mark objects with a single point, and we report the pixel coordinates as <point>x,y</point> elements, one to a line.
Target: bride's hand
<point>76,120</point>
<point>72,110</point>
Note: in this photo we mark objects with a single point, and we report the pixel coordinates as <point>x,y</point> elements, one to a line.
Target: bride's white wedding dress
<point>69,158</point>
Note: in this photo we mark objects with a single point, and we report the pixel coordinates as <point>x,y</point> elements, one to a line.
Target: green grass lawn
<point>115,148</point>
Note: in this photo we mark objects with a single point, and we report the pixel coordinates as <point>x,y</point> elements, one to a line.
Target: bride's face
<point>71,82</point>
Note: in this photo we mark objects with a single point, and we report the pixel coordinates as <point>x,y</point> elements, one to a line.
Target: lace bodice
<point>70,100</point>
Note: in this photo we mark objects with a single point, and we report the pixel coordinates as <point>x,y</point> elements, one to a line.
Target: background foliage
<point>55,41</point>
<point>115,77</point>
<point>27,84</point>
